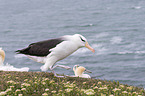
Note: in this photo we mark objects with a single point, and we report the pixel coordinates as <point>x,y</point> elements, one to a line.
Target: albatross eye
<point>82,39</point>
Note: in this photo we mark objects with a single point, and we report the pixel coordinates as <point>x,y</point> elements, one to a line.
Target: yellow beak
<point>89,47</point>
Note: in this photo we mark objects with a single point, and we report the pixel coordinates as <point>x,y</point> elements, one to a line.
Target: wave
<point>132,52</point>
<point>20,56</point>
<point>9,67</point>
<point>99,48</point>
<point>116,40</point>
<point>136,7</point>
<point>102,35</point>
<point>81,51</point>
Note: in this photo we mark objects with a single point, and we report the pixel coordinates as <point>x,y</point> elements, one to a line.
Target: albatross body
<point>52,50</point>
<point>79,72</point>
<point>2,56</point>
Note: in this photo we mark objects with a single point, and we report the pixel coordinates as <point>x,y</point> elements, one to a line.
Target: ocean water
<point>114,28</point>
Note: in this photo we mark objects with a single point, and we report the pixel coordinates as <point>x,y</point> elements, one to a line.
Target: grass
<point>46,84</point>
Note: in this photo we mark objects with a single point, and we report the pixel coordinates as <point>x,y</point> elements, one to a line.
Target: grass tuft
<point>46,84</point>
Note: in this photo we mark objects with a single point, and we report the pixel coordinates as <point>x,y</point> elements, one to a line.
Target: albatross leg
<point>56,74</point>
<point>62,66</point>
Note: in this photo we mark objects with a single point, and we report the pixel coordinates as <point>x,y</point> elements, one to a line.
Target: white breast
<point>64,49</point>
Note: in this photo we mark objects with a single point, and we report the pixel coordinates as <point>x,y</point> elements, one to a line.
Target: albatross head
<point>82,41</point>
<point>2,55</point>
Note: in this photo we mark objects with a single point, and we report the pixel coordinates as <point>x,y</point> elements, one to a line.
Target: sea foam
<point>116,40</point>
<point>8,67</point>
<point>137,7</point>
<point>102,35</point>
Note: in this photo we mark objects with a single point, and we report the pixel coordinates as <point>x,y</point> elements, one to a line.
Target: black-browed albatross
<point>2,56</point>
<point>52,50</point>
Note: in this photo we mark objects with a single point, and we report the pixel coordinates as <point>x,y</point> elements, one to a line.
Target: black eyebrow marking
<point>82,39</point>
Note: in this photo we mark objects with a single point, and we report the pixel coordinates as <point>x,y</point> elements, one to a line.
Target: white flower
<point>44,94</point>
<point>20,94</point>
<point>96,87</point>
<point>18,90</point>
<point>35,82</point>
<point>69,85</point>
<point>134,92</point>
<point>52,81</point>
<point>23,89</point>
<point>2,93</point>
<point>8,90</point>
<point>53,91</point>
<point>46,79</point>
<point>99,82</point>
<point>121,86</point>
<point>90,93</point>
<point>116,89</point>
<point>11,81</point>
<point>60,90</point>
<point>130,88</point>
<point>26,80</point>
<point>47,89</point>
<point>84,82</point>
<point>125,92</point>
<point>68,90</point>
<point>103,88</point>
<point>25,84</point>
<point>43,83</point>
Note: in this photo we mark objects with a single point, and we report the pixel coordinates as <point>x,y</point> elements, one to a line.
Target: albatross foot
<point>59,76</point>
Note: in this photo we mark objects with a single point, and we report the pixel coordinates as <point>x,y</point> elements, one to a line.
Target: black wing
<point>41,48</point>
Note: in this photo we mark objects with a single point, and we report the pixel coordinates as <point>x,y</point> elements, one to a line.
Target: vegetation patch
<point>46,84</point>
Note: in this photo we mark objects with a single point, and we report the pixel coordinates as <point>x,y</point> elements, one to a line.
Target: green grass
<point>46,84</point>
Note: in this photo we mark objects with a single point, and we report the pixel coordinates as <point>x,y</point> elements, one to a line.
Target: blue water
<point>114,28</point>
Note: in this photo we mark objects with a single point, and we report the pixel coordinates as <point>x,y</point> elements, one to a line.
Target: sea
<point>114,28</point>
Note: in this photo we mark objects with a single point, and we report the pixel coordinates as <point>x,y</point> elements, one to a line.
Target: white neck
<point>79,73</point>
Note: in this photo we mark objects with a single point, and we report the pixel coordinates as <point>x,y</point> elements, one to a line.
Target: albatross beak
<point>89,47</point>
<point>87,71</point>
